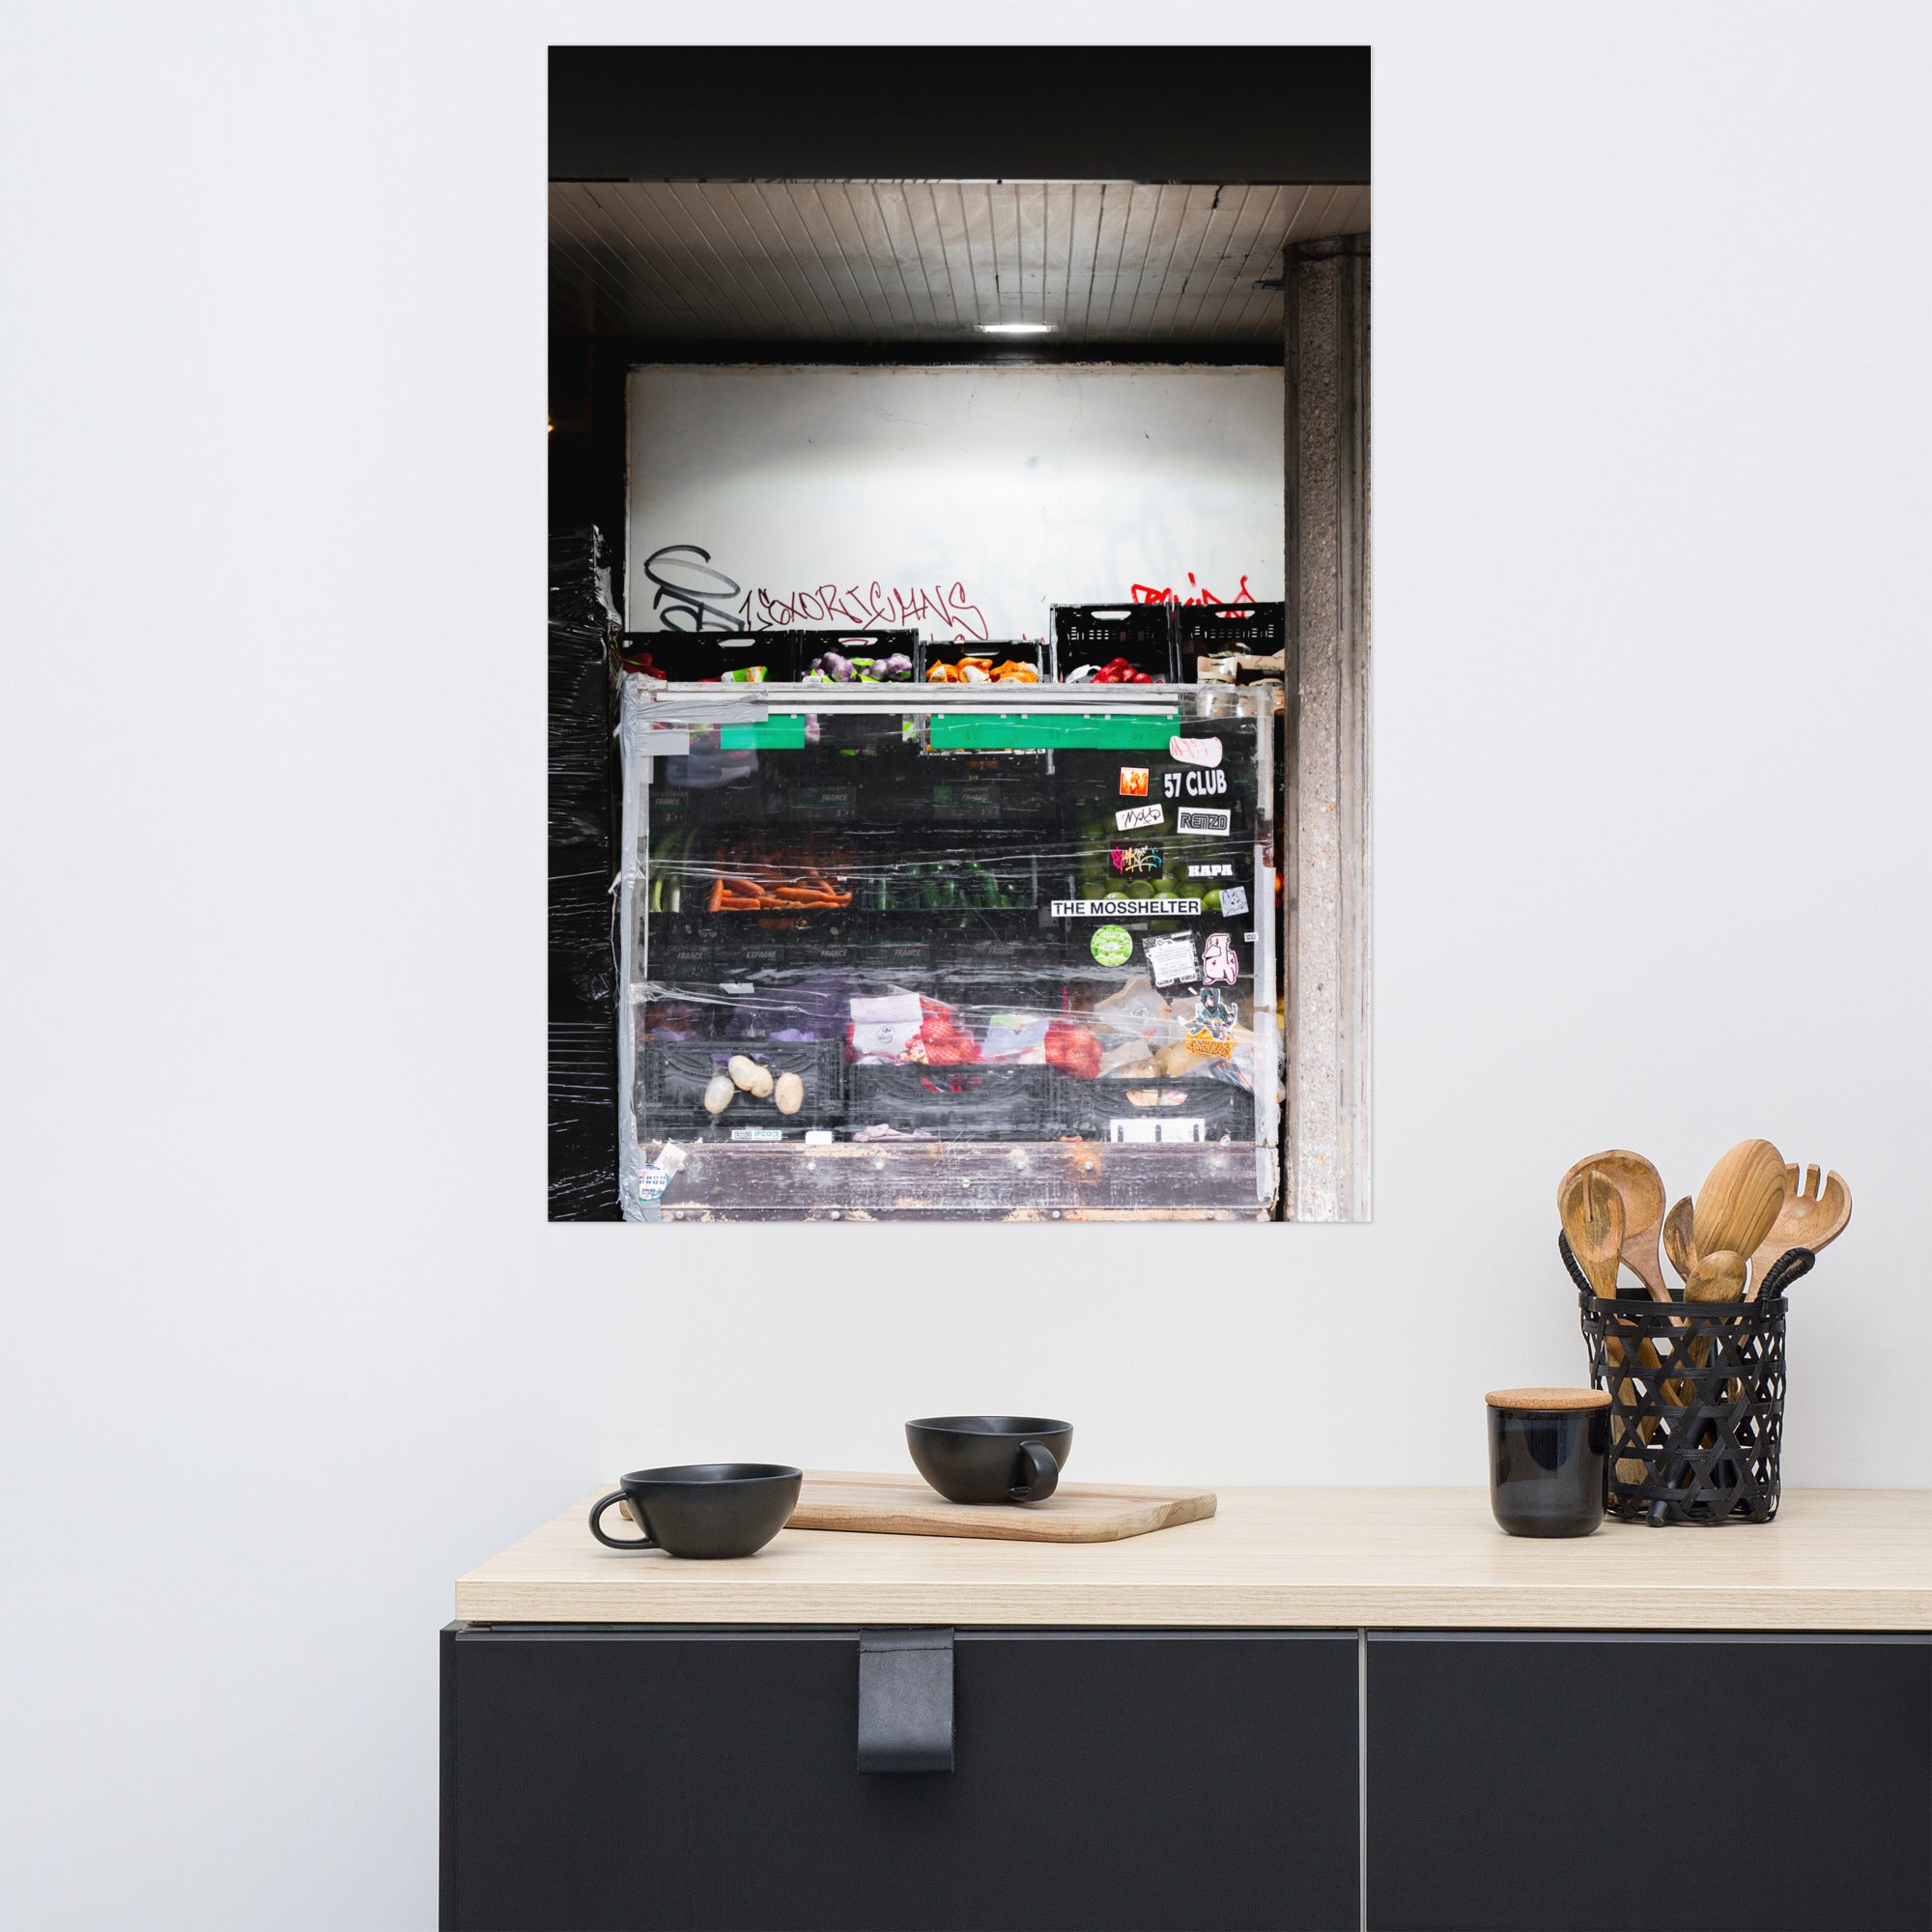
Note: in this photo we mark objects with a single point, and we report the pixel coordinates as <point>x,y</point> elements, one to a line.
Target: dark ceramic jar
<point>1548,1454</point>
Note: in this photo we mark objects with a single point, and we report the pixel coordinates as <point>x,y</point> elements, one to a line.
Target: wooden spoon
<point>1641,1187</point>
<point>1809,1218</point>
<point>1739,1200</point>
<point>1593,1218</point>
<point>1680,1241</point>
<point>1717,1277</point>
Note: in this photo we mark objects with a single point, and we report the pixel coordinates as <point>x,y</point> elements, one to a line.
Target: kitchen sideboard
<point>1319,1708</point>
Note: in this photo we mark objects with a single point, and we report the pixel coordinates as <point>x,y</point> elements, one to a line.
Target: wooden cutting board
<point>1075,1513</point>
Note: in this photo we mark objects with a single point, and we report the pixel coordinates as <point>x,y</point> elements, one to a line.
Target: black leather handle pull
<point>905,1700</point>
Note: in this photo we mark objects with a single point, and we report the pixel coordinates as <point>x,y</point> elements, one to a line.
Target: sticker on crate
<point>1211,1029</point>
<point>1173,961</point>
<point>1194,750</point>
<point>1112,946</point>
<point>1233,901</point>
<point>1199,821</point>
<point>1133,781</point>
<point>1136,817</point>
<point>1124,908</point>
<point>1220,963</point>
<point>1133,861</point>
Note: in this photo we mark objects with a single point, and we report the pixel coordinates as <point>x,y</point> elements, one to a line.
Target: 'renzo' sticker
<point>1137,816</point>
<point>1201,820</point>
<point>1195,751</point>
<point>1133,781</point>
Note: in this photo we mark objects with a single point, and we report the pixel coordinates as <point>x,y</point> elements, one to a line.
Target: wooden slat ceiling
<point>930,261</point>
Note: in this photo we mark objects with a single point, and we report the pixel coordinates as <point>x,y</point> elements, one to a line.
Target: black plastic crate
<point>810,646</point>
<point>677,1071</point>
<point>955,1103</point>
<point>1133,1108</point>
<point>1214,630</point>
<point>1096,634</point>
<point>1024,650</point>
<point>705,656</point>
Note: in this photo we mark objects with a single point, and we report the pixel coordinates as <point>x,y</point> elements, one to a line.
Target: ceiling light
<point>1015,328</point>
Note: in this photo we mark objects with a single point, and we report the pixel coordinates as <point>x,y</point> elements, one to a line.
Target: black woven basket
<point>1696,1401</point>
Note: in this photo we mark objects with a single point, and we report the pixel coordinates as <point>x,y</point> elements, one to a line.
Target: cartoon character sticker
<point>1210,1032</point>
<point>1220,963</point>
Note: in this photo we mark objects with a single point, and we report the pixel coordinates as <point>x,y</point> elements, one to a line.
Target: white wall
<point>289,1343</point>
<point>959,502</point>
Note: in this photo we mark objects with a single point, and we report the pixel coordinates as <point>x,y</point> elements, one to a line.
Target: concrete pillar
<point>1325,860</point>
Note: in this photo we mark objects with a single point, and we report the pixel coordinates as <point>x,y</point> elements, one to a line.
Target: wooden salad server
<point>1641,1189</point>
<point>1809,1217</point>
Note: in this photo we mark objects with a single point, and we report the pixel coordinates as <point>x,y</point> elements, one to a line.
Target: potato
<point>747,1074</point>
<point>719,1093</point>
<point>789,1094</point>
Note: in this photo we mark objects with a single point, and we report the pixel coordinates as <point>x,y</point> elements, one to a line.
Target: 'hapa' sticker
<point>1133,781</point>
<point>1137,816</point>
<point>1195,751</point>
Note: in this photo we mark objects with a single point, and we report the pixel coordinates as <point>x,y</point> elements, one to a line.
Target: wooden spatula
<point>1739,1200</point>
<point>1641,1190</point>
<point>1593,1223</point>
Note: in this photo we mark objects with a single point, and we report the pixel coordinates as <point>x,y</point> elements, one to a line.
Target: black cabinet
<point>604,1778</point>
<point>1572,1781</point>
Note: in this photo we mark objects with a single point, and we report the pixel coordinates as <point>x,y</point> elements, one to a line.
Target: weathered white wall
<point>959,502</point>
<point>288,1340</point>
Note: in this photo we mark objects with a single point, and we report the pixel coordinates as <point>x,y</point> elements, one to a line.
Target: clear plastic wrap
<point>956,951</point>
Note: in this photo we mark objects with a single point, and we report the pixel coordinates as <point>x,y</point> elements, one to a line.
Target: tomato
<point>1073,1050</point>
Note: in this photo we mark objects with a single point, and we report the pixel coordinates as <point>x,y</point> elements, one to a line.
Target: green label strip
<point>1043,731</point>
<point>782,732</point>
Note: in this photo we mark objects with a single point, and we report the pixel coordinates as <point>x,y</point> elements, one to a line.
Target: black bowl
<point>703,1508</point>
<point>990,1459</point>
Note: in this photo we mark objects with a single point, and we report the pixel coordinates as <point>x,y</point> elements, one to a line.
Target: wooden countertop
<point>1835,1559</point>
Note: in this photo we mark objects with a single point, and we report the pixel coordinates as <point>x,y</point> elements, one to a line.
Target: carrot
<point>715,902</point>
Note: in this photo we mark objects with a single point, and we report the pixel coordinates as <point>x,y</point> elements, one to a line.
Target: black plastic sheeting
<point>583,843</point>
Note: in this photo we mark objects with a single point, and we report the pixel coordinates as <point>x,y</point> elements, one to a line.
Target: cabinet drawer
<point>603,1778</point>
<point>1709,1783</point>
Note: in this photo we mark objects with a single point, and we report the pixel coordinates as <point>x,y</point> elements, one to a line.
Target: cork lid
<point>1549,1401</point>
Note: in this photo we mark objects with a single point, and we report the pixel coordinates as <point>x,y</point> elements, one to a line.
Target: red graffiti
<point>1145,593</point>
<point>864,605</point>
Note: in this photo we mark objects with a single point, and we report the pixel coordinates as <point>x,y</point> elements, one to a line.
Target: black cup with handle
<point>702,1509</point>
<point>990,1459</point>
